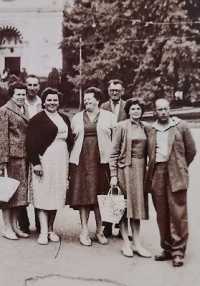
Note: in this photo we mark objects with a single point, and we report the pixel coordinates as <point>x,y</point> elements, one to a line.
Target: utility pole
<point>80,73</point>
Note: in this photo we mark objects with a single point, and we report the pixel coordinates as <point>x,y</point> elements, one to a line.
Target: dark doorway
<point>13,64</point>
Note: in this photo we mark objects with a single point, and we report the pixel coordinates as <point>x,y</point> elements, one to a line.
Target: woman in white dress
<point>48,143</point>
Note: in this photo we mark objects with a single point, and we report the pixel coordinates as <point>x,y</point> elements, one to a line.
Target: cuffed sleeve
<point>4,136</point>
<point>115,150</point>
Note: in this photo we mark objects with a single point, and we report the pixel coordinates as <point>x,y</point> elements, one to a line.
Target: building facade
<point>30,35</point>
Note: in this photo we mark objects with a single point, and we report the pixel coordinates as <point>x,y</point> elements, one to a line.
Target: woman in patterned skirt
<point>89,168</point>
<point>48,142</point>
<point>128,165</point>
<point>13,157</point>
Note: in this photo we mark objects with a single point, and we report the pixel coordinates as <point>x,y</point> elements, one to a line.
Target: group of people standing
<point>105,145</point>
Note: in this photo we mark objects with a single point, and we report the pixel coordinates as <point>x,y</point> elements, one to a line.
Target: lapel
<point>109,106</point>
<point>152,143</point>
<point>12,106</point>
<point>120,111</point>
<point>172,133</point>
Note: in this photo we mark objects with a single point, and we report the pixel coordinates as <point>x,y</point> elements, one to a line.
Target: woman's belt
<point>137,155</point>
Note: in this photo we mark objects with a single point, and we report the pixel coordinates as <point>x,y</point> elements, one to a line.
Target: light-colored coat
<point>105,126</point>
<point>13,124</point>
<point>122,145</point>
<point>182,150</point>
<point>122,115</point>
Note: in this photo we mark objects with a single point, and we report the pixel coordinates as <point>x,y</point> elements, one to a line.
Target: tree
<point>151,47</point>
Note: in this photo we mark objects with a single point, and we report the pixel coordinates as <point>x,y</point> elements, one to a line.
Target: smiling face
<point>51,103</point>
<point>33,86</point>
<point>19,96</point>
<point>135,112</point>
<point>90,102</point>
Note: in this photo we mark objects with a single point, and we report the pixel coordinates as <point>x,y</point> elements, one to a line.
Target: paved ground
<point>24,262</point>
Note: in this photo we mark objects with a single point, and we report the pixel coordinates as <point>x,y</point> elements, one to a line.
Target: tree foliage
<point>151,46</point>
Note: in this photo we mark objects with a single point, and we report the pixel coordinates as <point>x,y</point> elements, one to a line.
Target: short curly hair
<point>16,85</point>
<point>98,94</point>
<point>48,91</point>
<point>133,101</point>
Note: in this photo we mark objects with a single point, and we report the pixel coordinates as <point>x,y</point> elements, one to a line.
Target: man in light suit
<point>171,150</point>
<point>116,105</point>
<point>33,105</point>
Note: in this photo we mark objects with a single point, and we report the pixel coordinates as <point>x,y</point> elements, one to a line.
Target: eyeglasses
<point>115,90</point>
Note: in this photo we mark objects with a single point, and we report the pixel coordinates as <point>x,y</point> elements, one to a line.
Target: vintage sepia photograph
<point>99,142</point>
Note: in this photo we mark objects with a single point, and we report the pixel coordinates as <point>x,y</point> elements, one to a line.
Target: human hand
<point>113,182</point>
<point>67,184</point>
<point>38,170</point>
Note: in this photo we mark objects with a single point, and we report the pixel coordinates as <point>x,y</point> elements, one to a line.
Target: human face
<point>51,103</point>
<point>19,96</point>
<point>90,102</point>
<point>33,86</point>
<point>162,110</point>
<point>115,91</point>
<point>135,112</point>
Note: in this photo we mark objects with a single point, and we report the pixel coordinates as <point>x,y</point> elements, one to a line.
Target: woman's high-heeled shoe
<point>141,251</point>
<point>9,234</point>
<point>43,239</point>
<point>85,240</point>
<point>101,239</point>
<point>127,251</point>
<point>53,237</point>
<point>21,234</point>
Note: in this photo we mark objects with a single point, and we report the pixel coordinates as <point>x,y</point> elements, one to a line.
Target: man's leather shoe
<point>163,256</point>
<point>178,261</point>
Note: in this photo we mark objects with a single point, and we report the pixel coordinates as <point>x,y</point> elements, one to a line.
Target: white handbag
<point>112,206</point>
<point>8,187</point>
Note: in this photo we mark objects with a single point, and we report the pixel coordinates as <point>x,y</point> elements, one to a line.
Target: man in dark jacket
<point>33,105</point>
<point>171,150</point>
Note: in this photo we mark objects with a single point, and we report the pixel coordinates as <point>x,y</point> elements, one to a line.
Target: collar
<point>38,101</point>
<point>160,127</point>
<point>115,103</point>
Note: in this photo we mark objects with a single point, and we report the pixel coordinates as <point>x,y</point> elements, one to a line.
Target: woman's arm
<point>32,143</point>
<point>4,136</point>
<point>115,151</point>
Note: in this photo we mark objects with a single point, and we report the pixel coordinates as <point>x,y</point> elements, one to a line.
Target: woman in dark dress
<point>89,169</point>
<point>128,165</point>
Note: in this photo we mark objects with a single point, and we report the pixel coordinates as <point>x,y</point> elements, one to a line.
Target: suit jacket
<point>182,150</point>
<point>41,132</point>
<point>122,146</point>
<point>13,125</point>
<point>122,115</point>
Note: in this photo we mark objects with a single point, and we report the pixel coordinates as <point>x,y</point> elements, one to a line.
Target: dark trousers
<point>23,220</point>
<point>171,208</point>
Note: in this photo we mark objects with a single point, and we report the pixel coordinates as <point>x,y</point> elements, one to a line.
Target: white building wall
<point>40,23</point>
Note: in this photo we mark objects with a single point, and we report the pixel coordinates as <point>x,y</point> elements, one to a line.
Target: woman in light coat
<point>127,166</point>
<point>89,168</point>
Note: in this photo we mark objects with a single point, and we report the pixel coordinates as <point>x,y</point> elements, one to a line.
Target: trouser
<point>23,219</point>
<point>171,208</point>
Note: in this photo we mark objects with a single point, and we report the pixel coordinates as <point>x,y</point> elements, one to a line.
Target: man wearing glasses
<point>116,105</point>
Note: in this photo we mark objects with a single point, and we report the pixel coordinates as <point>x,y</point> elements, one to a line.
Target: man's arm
<point>190,149</point>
